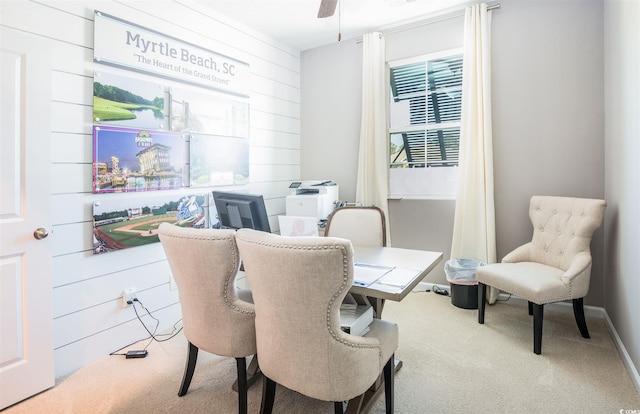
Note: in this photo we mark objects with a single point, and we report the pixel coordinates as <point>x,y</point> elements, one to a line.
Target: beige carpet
<point>451,365</point>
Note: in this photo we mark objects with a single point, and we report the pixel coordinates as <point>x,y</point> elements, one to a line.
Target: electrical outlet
<point>128,295</point>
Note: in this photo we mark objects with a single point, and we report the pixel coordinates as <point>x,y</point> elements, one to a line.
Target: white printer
<point>312,199</point>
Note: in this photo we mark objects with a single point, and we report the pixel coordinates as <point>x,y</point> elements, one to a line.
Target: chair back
<point>298,284</point>
<point>562,228</point>
<point>364,226</point>
<point>204,264</point>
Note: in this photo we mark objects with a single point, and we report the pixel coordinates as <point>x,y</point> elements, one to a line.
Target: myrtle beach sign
<point>129,46</point>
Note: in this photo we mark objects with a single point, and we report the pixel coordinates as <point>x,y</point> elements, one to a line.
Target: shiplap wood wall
<point>89,320</point>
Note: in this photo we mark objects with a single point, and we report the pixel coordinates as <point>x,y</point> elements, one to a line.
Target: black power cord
<point>152,336</point>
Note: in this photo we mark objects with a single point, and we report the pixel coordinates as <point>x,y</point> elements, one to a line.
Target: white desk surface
<point>420,261</point>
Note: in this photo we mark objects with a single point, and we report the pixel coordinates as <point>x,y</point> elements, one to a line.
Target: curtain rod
<point>454,15</point>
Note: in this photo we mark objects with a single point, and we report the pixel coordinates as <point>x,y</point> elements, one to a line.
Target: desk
<point>421,261</point>
<point>375,295</point>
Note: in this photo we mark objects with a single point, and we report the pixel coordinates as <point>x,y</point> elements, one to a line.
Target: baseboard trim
<point>626,358</point>
<point>594,311</point>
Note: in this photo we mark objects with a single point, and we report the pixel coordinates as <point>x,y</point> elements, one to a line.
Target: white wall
<point>548,123</point>
<point>622,170</point>
<point>89,320</point>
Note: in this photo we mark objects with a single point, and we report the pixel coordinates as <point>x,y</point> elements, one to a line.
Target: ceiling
<point>295,22</point>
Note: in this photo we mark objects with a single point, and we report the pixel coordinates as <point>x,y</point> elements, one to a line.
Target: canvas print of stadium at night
<point>127,159</point>
<point>124,223</point>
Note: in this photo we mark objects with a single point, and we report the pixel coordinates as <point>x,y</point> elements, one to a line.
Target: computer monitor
<point>241,210</point>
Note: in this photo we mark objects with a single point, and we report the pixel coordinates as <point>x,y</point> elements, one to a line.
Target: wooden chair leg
<point>188,369</point>
<point>538,311</point>
<point>482,301</point>
<point>578,312</point>
<point>268,395</point>
<point>241,364</point>
<point>389,379</point>
<point>337,407</point>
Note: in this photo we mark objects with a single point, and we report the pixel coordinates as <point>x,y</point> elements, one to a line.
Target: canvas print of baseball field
<point>126,159</point>
<point>125,223</point>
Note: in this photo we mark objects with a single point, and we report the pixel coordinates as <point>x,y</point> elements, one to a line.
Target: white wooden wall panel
<point>270,138</point>
<point>77,267</point>
<point>108,287</point>
<point>73,59</point>
<point>111,313</point>
<point>269,87</point>
<point>71,88</point>
<point>67,117</point>
<point>34,18</point>
<point>70,208</point>
<point>71,238</point>
<point>89,321</point>
<point>71,147</point>
<point>265,172</point>
<point>275,156</point>
<point>71,178</point>
<point>271,104</point>
<point>274,122</point>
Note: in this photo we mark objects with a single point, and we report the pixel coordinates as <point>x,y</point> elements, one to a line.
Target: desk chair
<point>204,263</point>
<point>554,266</point>
<point>364,226</point>
<point>298,284</point>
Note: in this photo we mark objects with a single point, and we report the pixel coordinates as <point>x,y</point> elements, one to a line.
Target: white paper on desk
<point>365,274</point>
<point>398,276</point>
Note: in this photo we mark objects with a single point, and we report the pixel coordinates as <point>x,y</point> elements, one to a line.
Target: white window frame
<point>435,182</point>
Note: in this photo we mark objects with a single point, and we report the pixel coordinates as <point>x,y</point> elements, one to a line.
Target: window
<point>424,124</point>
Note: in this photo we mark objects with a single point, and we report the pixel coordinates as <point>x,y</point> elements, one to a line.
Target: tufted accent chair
<point>217,317</point>
<point>298,284</point>
<point>554,266</point>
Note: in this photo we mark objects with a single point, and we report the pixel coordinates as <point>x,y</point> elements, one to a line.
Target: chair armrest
<point>519,254</point>
<point>580,266</point>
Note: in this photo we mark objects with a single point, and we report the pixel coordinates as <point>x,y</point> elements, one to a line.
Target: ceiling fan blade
<point>327,8</point>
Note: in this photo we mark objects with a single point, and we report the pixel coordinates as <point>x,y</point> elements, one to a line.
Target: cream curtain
<point>373,160</point>
<point>474,225</point>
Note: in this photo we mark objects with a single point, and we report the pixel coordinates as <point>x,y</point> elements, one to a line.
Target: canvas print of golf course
<point>124,101</point>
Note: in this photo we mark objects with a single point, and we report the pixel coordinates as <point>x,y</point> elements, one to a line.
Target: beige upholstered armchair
<point>204,263</point>
<point>364,226</point>
<point>554,266</point>
<point>298,284</point>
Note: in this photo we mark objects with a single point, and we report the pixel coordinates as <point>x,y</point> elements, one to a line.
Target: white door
<point>26,314</point>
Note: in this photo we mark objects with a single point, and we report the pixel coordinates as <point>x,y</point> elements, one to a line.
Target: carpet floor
<point>451,364</point>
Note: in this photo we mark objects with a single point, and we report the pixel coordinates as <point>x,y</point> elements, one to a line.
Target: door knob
<point>40,233</point>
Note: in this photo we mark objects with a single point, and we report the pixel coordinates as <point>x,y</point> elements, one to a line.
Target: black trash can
<point>461,275</point>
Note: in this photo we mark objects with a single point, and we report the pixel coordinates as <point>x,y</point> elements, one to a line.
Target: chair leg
<point>337,407</point>
<point>578,312</point>
<point>482,301</point>
<point>389,379</point>
<point>268,395</point>
<point>530,308</point>
<point>538,311</point>
<point>241,364</point>
<point>188,369</point>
